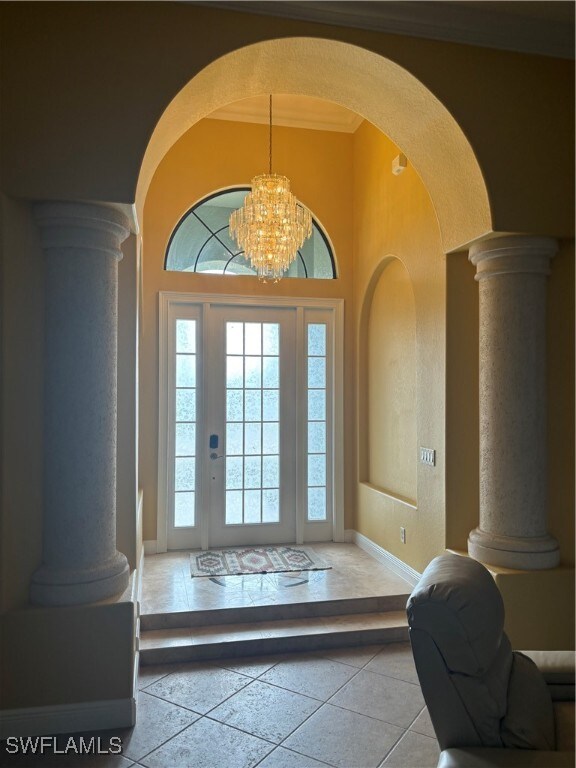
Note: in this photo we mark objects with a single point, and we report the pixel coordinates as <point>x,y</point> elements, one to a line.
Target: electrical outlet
<point>403,535</point>
<point>428,456</point>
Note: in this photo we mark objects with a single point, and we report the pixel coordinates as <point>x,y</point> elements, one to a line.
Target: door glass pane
<point>253,438</point>
<point>185,474</point>
<point>235,338</point>
<point>316,376</point>
<point>252,423</point>
<point>185,424</point>
<point>185,370</point>
<point>185,439</point>
<point>234,371</point>
<point>233,507</point>
<point>184,509</point>
<point>270,373</point>
<point>234,439</point>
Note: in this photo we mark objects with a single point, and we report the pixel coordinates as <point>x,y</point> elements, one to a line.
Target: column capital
<point>86,226</point>
<point>513,254</point>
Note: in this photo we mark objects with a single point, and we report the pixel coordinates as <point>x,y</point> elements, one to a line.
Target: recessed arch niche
<point>388,454</point>
<point>378,89</point>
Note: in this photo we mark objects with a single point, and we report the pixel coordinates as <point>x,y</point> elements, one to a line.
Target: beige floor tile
<point>207,744</point>
<point>310,676</point>
<point>253,666</point>
<point>166,638</point>
<point>163,604</point>
<point>354,574</point>
<point>384,698</point>
<point>199,687</point>
<point>152,673</point>
<point>413,751</point>
<point>395,661</point>
<point>265,711</point>
<point>285,758</point>
<point>224,633</point>
<point>423,724</point>
<point>289,628</point>
<point>343,738</point>
<point>356,657</point>
<point>157,722</point>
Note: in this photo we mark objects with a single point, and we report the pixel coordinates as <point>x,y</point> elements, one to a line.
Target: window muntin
<point>201,242</point>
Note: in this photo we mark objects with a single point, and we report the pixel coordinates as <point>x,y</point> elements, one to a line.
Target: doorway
<point>250,415</point>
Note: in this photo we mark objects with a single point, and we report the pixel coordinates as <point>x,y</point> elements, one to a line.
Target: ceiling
<point>292,111</point>
<point>544,27</point>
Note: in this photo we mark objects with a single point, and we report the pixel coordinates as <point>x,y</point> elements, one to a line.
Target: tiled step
<point>250,638</point>
<point>285,611</point>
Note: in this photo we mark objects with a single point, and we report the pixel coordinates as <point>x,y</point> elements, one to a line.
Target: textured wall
<point>394,217</point>
<point>391,384</point>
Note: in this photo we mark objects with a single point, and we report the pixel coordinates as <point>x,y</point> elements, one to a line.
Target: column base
<point>528,553</point>
<point>67,586</point>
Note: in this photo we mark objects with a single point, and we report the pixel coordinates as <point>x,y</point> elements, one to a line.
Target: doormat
<point>234,562</point>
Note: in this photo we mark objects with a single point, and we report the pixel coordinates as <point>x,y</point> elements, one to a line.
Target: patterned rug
<point>233,562</point>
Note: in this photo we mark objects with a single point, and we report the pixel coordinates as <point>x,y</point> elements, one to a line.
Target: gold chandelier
<point>272,225</point>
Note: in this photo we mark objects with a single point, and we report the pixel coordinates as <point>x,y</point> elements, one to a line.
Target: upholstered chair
<point>489,705</point>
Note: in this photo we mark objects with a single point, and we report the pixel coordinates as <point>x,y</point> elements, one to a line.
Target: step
<point>274,612</point>
<point>251,638</point>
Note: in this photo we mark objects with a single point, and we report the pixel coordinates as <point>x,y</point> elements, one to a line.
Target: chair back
<point>463,657</point>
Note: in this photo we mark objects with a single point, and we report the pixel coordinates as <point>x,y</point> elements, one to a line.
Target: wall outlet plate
<point>403,535</point>
<point>428,456</point>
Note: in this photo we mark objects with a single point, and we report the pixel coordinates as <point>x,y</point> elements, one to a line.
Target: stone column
<point>80,564</point>
<point>512,273</point>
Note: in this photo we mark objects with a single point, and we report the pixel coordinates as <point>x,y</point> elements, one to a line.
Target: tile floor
<point>168,587</point>
<point>348,708</point>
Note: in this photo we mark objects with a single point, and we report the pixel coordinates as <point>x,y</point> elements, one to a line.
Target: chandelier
<point>271,225</point>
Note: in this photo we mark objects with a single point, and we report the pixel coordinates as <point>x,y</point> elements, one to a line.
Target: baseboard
<point>68,718</point>
<point>150,547</point>
<point>386,558</point>
<point>349,536</point>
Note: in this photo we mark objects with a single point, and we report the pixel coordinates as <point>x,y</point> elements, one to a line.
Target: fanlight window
<point>201,242</point>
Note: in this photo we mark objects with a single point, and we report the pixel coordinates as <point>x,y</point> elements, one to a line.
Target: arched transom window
<point>201,242</point>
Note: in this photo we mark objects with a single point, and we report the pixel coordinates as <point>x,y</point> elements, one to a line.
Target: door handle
<point>214,456</point>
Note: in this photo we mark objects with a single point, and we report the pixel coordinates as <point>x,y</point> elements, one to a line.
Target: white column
<point>512,273</point>
<point>81,243</point>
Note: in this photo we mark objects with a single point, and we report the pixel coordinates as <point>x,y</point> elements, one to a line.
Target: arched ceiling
<point>370,85</point>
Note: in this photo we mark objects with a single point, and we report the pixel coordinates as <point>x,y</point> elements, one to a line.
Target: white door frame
<point>168,302</point>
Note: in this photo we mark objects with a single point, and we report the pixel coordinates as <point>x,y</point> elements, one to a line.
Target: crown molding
<point>292,112</point>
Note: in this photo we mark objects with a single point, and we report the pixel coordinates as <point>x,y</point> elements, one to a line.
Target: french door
<point>247,423</point>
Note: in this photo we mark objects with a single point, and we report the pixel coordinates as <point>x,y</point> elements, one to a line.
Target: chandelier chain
<point>270,137</point>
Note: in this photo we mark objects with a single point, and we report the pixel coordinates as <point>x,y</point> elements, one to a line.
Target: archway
<point>381,91</point>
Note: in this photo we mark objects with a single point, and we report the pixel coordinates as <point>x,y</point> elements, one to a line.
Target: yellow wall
<point>390,383</point>
<point>393,216</point>
<point>216,154</point>
<point>462,416</point>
